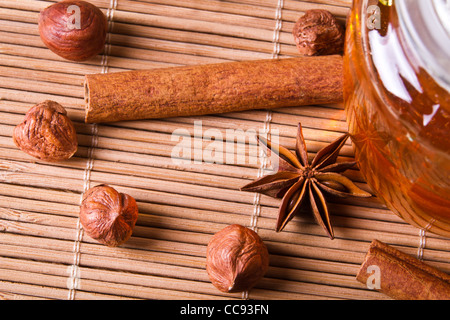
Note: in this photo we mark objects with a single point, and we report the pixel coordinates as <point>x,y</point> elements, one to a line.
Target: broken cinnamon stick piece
<point>213,88</point>
<point>401,276</point>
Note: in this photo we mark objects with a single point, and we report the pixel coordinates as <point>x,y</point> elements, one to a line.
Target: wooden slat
<point>181,205</point>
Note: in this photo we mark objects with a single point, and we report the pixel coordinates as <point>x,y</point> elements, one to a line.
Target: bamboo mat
<point>43,251</point>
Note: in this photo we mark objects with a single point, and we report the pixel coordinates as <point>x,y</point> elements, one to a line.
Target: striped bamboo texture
<point>43,251</point>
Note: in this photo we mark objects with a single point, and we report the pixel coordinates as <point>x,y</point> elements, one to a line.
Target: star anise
<point>297,179</point>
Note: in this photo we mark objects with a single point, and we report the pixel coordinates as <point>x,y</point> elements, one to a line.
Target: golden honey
<point>396,92</point>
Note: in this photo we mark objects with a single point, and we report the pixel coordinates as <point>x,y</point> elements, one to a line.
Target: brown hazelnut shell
<point>318,32</point>
<point>107,215</point>
<point>73,44</point>
<point>46,133</point>
<point>236,259</point>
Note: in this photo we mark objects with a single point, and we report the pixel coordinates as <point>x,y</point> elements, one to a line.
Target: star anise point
<point>297,179</point>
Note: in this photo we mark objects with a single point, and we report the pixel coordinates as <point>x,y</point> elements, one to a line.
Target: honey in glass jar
<point>396,93</point>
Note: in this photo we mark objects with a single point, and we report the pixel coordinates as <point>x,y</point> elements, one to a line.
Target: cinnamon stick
<point>402,276</point>
<point>213,88</point>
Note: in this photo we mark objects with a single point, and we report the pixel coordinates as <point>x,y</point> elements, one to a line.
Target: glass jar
<point>396,93</point>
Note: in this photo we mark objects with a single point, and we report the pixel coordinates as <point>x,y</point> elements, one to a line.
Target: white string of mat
<point>74,280</point>
<point>423,239</point>
<point>267,127</point>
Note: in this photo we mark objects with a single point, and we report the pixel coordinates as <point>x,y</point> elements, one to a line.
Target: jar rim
<point>426,29</point>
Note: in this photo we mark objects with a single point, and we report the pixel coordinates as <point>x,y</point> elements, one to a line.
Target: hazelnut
<point>317,32</point>
<point>74,30</point>
<point>107,215</point>
<point>46,133</point>
<point>236,259</point>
